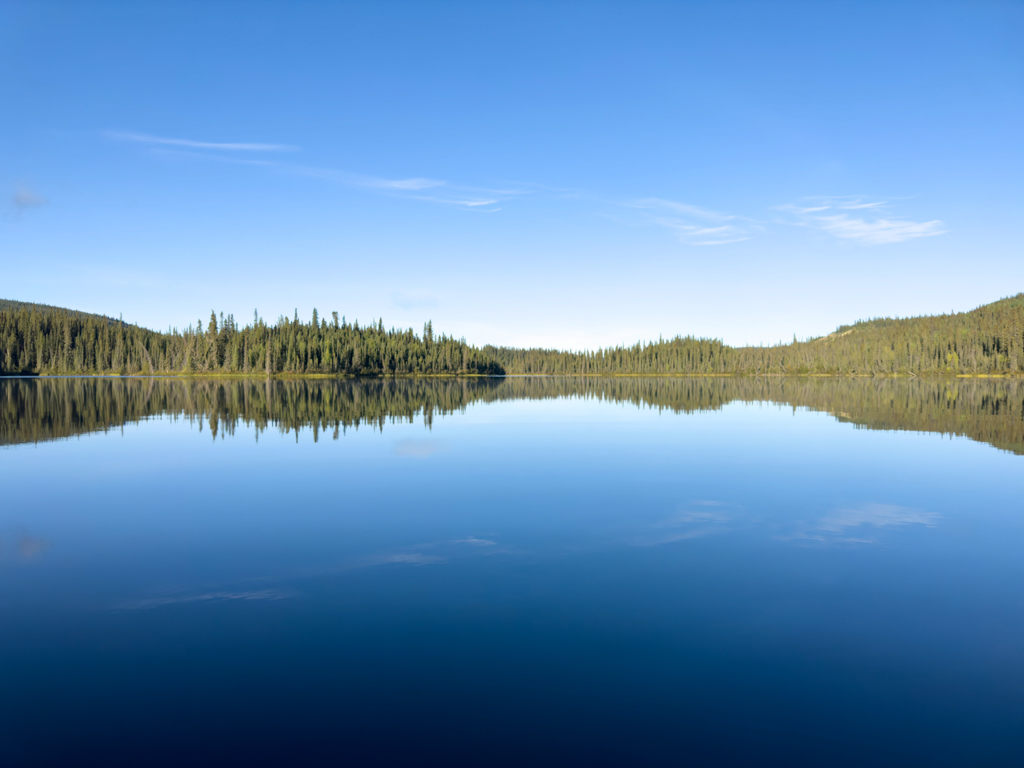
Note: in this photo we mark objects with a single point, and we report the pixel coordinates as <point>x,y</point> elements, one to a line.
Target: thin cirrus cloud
<point>142,138</point>
<point>694,225</point>
<point>853,219</point>
<point>414,188</point>
<point>441,192</point>
<point>866,222</point>
<point>413,185</point>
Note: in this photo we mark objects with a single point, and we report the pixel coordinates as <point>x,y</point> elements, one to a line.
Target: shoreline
<point>285,376</point>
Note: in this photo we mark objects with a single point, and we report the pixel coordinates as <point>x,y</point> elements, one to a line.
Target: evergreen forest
<point>43,340</point>
<point>58,342</point>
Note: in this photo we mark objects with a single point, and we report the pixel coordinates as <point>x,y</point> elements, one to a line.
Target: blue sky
<point>558,174</point>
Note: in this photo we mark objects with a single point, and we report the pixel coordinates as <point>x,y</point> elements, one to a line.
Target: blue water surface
<point>545,582</point>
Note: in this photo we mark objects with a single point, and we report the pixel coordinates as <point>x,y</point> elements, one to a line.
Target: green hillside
<point>37,339</point>
<point>8,305</point>
<point>55,341</point>
<point>988,340</point>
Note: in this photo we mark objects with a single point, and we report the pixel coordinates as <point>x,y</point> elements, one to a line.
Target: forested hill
<point>62,342</point>
<point>986,340</point>
<point>46,340</point>
<point>7,305</point>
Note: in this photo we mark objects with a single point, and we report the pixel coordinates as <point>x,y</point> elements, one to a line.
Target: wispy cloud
<point>833,215</point>
<point>400,186</point>
<point>143,138</point>
<point>24,198</point>
<point>443,192</point>
<point>411,185</point>
<point>879,231</point>
<point>694,225</point>
<point>457,200</point>
<point>692,211</point>
<point>691,224</point>
<point>440,191</point>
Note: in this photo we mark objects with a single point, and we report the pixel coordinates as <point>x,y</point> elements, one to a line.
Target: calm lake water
<point>512,572</point>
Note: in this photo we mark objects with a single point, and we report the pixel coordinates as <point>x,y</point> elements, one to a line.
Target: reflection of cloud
<point>700,522</point>
<point>878,515</point>
<point>854,525</point>
<point>418,448</point>
<point>717,514</point>
<point>157,602</point>
<point>668,538</point>
<point>693,517</point>
<point>411,555</point>
<point>30,546</point>
<point>830,214</point>
<point>412,558</point>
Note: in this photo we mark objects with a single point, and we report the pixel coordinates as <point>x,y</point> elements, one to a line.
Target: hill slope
<point>55,341</point>
<point>986,340</point>
<point>9,305</point>
<point>35,338</point>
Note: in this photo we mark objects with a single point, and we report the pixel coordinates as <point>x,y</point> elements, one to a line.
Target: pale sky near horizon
<point>558,174</point>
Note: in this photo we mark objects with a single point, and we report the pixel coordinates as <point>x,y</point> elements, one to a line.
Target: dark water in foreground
<point>511,572</point>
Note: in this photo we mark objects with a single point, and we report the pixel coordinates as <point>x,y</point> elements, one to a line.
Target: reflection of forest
<point>33,410</point>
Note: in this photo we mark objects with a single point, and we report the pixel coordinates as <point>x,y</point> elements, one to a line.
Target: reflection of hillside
<point>46,409</point>
<point>33,410</point>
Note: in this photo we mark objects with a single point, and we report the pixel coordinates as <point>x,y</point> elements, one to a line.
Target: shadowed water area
<point>609,571</point>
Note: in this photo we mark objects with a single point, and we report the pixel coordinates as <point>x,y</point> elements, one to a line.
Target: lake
<point>518,571</point>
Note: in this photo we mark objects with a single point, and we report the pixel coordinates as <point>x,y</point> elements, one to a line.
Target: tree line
<point>44,340</point>
<point>988,340</point>
<point>55,342</point>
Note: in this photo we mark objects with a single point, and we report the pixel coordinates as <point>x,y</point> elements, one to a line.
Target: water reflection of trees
<point>33,410</point>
